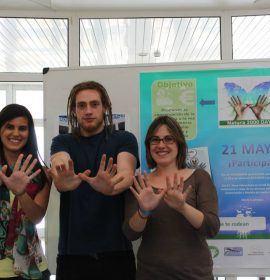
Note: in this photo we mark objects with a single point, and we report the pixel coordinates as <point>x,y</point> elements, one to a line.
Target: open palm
<point>147,198</point>
<point>21,175</point>
<point>65,179</point>
<point>106,177</point>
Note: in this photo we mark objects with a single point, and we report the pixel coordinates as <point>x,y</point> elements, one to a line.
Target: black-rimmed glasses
<point>168,139</point>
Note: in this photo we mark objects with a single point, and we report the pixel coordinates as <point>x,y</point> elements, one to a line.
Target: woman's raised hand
<point>147,198</point>
<point>21,175</point>
<point>176,196</point>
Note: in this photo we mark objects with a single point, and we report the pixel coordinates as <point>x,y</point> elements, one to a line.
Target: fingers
<point>111,168</point>
<point>87,172</point>
<point>161,193</point>
<point>70,165</point>
<point>26,167</point>
<point>235,101</point>
<point>145,179</point>
<point>137,186</point>
<point>4,169</point>
<point>118,180</point>
<point>31,166</point>
<point>188,190</point>
<point>180,185</point>
<point>60,168</point>
<point>109,165</point>
<point>25,163</point>
<point>51,173</point>
<point>33,175</point>
<point>83,177</point>
<point>175,181</point>
<point>18,162</point>
<point>102,163</point>
<point>140,181</point>
<point>135,193</point>
<point>263,99</point>
<point>238,100</point>
<point>168,183</point>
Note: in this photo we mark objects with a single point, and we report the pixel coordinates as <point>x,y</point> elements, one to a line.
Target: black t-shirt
<point>91,222</point>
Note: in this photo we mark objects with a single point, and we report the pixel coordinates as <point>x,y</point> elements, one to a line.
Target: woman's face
<point>14,135</point>
<point>163,147</point>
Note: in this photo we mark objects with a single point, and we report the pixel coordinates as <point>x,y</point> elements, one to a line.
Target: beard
<point>91,128</point>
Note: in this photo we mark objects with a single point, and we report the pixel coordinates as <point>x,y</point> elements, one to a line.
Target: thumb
<point>84,175</point>
<point>87,172</point>
<point>4,169</point>
<point>188,190</point>
<point>161,192</point>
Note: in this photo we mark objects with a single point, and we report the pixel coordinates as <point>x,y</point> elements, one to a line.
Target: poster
<point>225,115</point>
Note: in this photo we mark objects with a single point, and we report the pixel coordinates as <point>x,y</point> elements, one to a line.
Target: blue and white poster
<point>225,116</point>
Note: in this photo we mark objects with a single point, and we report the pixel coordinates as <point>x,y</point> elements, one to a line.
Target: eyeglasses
<point>168,139</point>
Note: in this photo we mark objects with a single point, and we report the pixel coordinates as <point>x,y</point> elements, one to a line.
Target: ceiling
<point>71,5</point>
<point>31,44</point>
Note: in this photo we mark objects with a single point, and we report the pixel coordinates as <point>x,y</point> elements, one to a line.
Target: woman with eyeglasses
<point>24,196</point>
<point>173,209</point>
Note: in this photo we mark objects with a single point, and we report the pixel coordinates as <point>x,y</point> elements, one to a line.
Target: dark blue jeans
<point>118,265</point>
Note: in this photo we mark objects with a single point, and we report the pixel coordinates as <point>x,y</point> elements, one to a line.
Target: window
<point>149,40</point>
<point>251,37</point>
<point>31,44</point>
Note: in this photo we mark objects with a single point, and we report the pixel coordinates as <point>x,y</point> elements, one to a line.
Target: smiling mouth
<point>16,141</point>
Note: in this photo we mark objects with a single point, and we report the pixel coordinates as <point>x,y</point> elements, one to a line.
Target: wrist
<point>19,193</point>
<point>144,214</point>
<point>182,208</point>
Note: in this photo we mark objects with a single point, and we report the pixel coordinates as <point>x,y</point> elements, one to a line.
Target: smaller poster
<point>120,122</point>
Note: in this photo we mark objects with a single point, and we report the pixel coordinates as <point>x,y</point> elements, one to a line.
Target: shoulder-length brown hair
<point>175,131</point>
<point>105,99</point>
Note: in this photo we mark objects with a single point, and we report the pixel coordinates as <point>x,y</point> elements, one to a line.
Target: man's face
<point>89,112</point>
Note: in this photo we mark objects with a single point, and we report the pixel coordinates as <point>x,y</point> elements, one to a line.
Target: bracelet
<point>144,214</point>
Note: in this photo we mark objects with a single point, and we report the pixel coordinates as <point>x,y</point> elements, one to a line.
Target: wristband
<point>144,214</point>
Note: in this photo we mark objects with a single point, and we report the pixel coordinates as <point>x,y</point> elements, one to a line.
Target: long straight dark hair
<point>11,112</point>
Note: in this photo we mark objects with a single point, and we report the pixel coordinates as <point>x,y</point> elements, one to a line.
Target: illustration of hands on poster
<point>239,157</point>
<point>198,158</point>
<point>244,101</point>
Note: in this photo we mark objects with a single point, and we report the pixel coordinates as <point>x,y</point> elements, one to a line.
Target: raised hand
<point>176,196</point>
<point>147,196</point>
<point>259,106</point>
<point>106,177</point>
<point>20,176</point>
<point>65,178</point>
<point>238,107</point>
